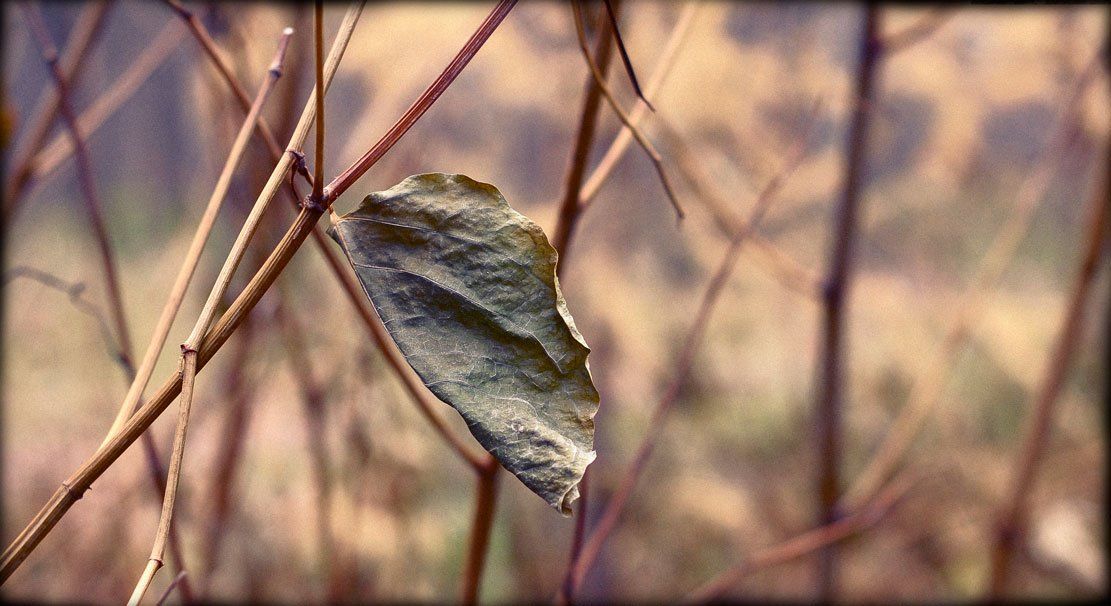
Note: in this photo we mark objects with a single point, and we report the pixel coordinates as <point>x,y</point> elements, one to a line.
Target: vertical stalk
<point>486,494</point>
<point>1013,516</point>
<point>584,139</point>
<point>830,401</point>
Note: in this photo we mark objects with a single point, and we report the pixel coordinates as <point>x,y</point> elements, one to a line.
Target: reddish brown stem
<point>348,177</point>
<point>104,247</point>
<point>804,544</point>
<point>71,63</point>
<point>610,515</point>
<point>486,494</point>
<point>75,486</point>
<point>1013,517</point>
<point>830,398</point>
<point>569,208</point>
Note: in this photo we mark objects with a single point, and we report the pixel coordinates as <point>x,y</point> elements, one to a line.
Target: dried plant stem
<point>85,32</point>
<point>318,166</point>
<point>926,390</point>
<point>917,31</point>
<point>829,403</point>
<point>569,208</point>
<point>805,543</point>
<point>351,286</point>
<point>155,54</point>
<point>608,520</point>
<point>1012,520</point>
<point>787,271</point>
<point>76,485</point>
<point>312,400</point>
<point>189,350</point>
<point>603,87</point>
<point>569,211</point>
<point>85,178</point>
<point>621,142</point>
<point>421,105</point>
<point>200,238</point>
<point>485,501</point>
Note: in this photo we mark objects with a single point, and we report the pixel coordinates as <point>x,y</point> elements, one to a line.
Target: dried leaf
<point>467,288</point>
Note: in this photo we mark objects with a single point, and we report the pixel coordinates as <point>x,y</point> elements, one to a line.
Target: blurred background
<point>962,119</point>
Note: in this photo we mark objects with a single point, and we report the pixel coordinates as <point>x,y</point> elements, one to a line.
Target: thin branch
<point>805,543</point>
<point>189,348</point>
<point>479,543</point>
<point>85,177</point>
<point>621,142</point>
<point>569,211</point>
<point>75,291</point>
<point>918,31</point>
<point>179,580</point>
<point>641,139</point>
<point>629,71</point>
<point>1013,517</point>
<point>421,105</point>
<point>829,405</point>
<point>569,208</point>
<point>80,481</point>
<point>200,238</point>
<point>788,272</point>
<point>318,31</point>
<point>927,387</point>
<point>61,147</point>
<point>78,49</point>
<point>685,362</point>
<point>104,247</point>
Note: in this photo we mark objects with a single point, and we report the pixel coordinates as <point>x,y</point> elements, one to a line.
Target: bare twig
<point>421,105</point>
<point>189,348</point>
<point>685,362</point>
<point>927,387</point>
<point>485,500</point>
<point>84,34</point>
<point>80,481</point>
<point>805,543</point>
<point>917,31</point>
<point>1012,521</point>
<point>604,88</point>
<point>830,397</point>
<point>611,12</point>
<point>787,271</point>
<point>104,247</point>
<point>75,291</point>
<point>621,142</point>
<point>318,36</point>
<point>155,54</point>
<point>200,238</point>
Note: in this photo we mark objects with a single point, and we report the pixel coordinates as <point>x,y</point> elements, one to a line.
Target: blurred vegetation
<point>960,120</point>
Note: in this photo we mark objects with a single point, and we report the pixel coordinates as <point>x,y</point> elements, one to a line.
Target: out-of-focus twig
<point>685,362</point>
<point>1014,513</point>
<point>788,272</point>
<point>570,208</point>
<point>621,142</point>
<point>805,543</point>
<point>85,32</point>
<point>122,88</point>
<point>607,93</point>
<point>916,32</point>
<point>108,267</point>
<point>829,404</point>
<point>927,387</point>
